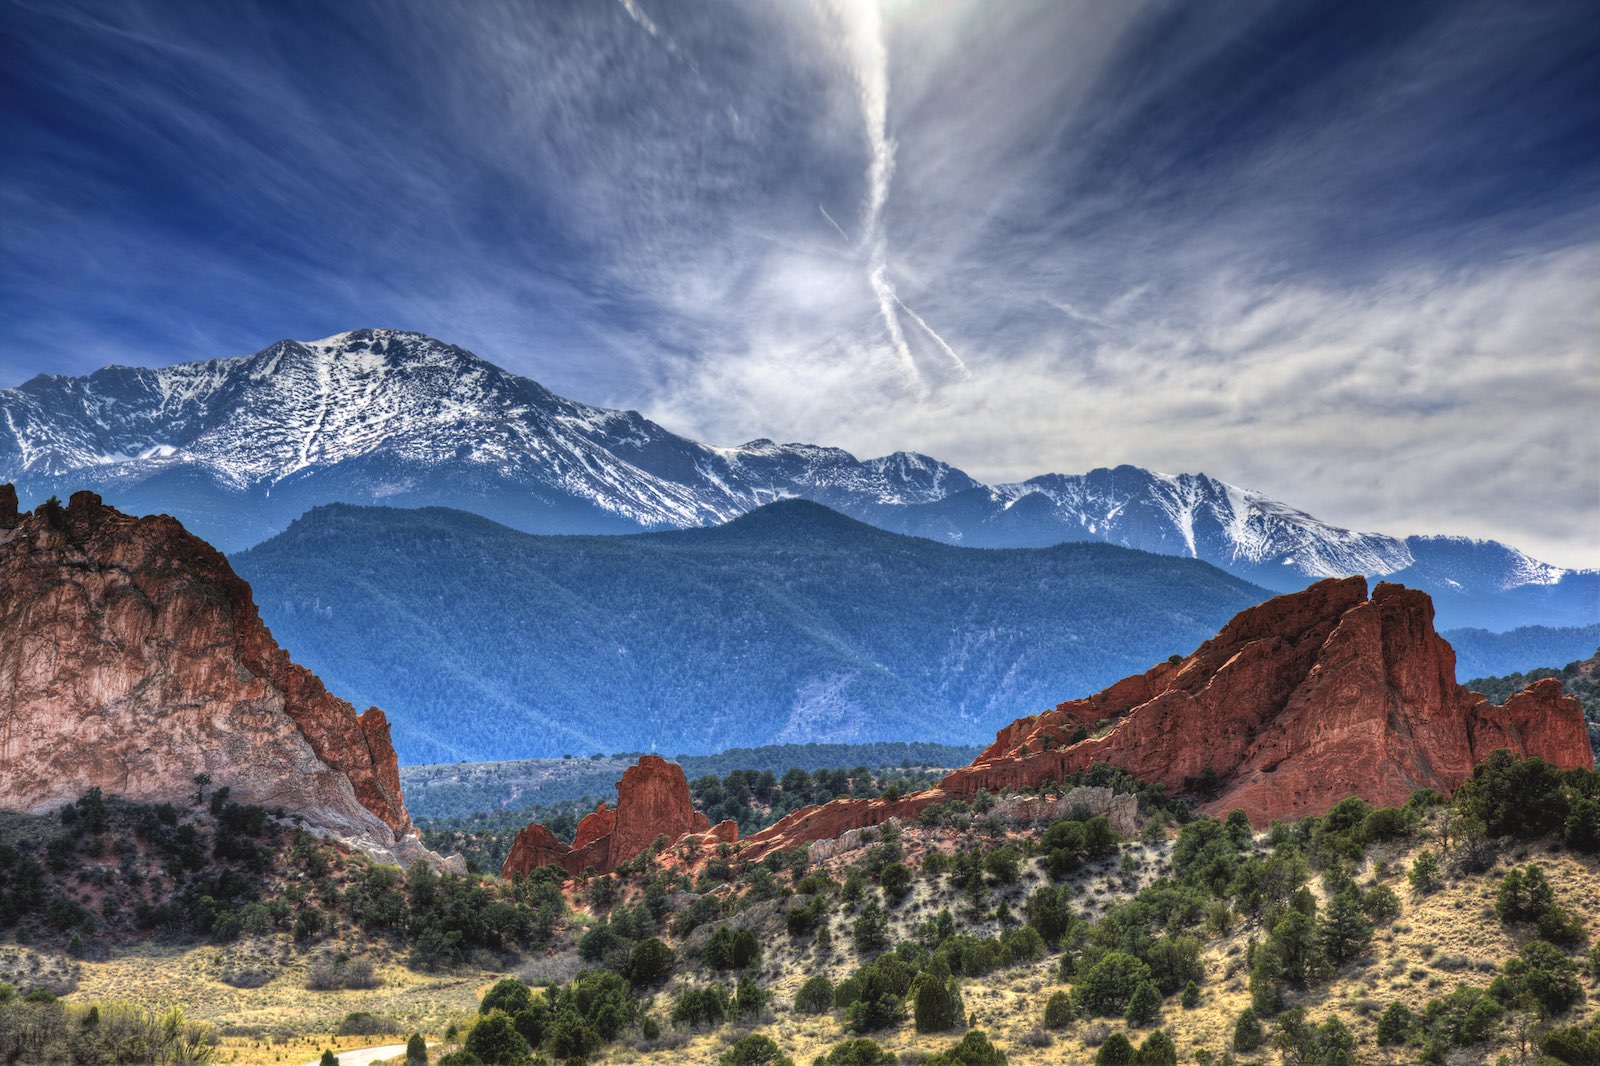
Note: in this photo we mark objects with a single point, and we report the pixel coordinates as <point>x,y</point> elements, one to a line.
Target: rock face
<point>132,659</point>
<point>652,801</point>
<point>1297,703</point>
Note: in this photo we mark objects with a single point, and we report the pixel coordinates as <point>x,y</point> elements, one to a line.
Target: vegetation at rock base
<point>1200,938</point>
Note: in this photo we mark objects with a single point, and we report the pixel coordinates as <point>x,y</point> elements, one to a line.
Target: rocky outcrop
<point>1297,703</point>
<point>132,659</point>
<point>652,801</point>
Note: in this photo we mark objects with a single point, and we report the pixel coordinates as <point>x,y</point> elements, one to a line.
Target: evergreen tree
<point>1157,1050</point>
<point>1058,1012</point>
<point>1116,1051</point>
<point>1396,1024</point>
<point>1424,875</point>
<point>937,1001</point>
<point>1144,1006</point>
<point>1345,932</point>
<point>1247,1032</point>
<point>871,929</point>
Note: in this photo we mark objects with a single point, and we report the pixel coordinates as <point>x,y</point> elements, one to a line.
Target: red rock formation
<point>1297,703</point>
<point>132,659</point>
<point>652,801</point>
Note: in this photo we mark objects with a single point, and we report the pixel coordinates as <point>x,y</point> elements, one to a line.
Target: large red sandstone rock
<point>1297,703</point>
<point>132,659</point>
<point>652,801</point>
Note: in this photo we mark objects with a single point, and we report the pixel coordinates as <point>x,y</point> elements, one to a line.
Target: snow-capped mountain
<point>238,448</point>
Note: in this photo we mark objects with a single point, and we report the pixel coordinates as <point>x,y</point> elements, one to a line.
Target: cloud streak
<point>1343,253</point>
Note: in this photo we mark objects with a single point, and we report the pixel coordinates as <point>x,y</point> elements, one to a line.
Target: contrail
<point>940,341</point>
<point>834,224</point>
<point>870,64</point>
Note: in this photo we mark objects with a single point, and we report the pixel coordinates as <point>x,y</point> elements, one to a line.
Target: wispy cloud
<point>1341,252</point>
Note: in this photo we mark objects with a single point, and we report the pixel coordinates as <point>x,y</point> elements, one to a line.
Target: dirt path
<point>365,1056</point>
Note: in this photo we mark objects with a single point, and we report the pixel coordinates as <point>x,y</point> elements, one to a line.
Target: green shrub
<point>1345,932</point>
<point>1466,1016</point>
<point>1574,1045</point>
<point>509,995</point>
<point>1524,895</point>
<point>1543,974</point>
<point>857,1052</point>
<point>1111,982</point>
<point>495,1040</point>
<point>973,1050</point>
<point>871,929</point>
<point>1396,1024</point>
<point>815,996</point>
<point>755,1050</point>
<point>1157,1050</point>
<point>749,999</point>
<point>1058,1011</point>
<point>650,963</point>
<point>937,1005</point>
<point>1144,1005</point>
<point>731,949</point>
<point>1049,913</point>
<point>1425,875</point>
<point>1247,1032</point>
<point>1116,1051</point>
<point>699,1008</point>
<point>896,880</point>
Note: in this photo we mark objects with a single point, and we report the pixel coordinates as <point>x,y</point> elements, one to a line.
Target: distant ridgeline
<point>1480,653</point>
<point>477,809</point>
<point>1580,679</point>
<point>792,624</point>
<point>460,790</point>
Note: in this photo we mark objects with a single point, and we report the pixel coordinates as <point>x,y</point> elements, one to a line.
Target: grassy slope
<point>1441,940</point>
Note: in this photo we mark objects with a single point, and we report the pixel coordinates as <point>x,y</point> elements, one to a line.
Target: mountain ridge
<point>239,447</point>
<point>791,624</point>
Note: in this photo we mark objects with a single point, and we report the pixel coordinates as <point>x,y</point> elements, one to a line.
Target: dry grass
<point>1440,941</point>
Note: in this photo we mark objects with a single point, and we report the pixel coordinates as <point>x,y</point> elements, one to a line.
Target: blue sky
<point>1345,253</point>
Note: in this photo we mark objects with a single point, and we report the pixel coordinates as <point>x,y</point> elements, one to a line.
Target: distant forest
<point>792,624</point>
<point>478,808</point>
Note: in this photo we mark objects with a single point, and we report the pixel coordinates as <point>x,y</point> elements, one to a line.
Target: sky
<point>1345,253</point>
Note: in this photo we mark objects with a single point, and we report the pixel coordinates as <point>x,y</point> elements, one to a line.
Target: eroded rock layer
<point>652,801</point>
<point>1297,703</point>
<point>132,659</point>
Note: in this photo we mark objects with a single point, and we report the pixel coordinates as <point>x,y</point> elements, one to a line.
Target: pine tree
<point>1247,1032</point>
<point>1395,1026</point>
<point>937,1001</point>
<point>1345,932</point>
<point>1145,1005</point>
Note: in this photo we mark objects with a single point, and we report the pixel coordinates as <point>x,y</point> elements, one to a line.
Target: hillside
<point>1437,931</point>
<point>793,624</point>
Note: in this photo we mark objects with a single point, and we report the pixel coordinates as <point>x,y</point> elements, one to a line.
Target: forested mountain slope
<point>790,624</point>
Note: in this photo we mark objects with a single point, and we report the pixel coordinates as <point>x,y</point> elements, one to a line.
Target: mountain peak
<point>239,447</point>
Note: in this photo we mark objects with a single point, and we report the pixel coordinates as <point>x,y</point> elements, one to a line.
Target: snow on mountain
<point>240,447</point>
<point>1201,517</point>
